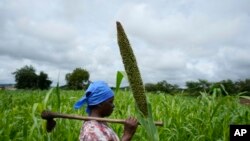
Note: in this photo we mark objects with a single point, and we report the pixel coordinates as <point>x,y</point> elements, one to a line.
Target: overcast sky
<point>173,40</point>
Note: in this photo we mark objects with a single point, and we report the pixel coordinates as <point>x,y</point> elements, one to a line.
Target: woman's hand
<point>130,127</point>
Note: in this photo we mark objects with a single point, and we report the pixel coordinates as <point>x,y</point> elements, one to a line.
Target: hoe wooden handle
<point>48,115</point>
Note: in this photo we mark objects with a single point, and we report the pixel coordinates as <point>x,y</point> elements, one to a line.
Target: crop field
<point>186,118</point>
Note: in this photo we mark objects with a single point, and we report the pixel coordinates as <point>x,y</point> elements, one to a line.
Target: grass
<point>185,118</point>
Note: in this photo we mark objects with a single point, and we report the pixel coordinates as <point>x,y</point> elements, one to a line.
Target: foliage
<point>43,82</point>
<point>76,79</point>
<point>119,76</point>
<point>195,87</point>
<point>243,86</point>
<point>202,118</point>
<point>162,86</point>
<point>146,122</point>
<point>26,78</point>
<point>227,85</point>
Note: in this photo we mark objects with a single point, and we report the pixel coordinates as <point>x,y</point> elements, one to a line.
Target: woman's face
<point>107,107</point>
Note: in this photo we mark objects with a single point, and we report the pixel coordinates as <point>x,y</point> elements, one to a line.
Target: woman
<point>99,99</point>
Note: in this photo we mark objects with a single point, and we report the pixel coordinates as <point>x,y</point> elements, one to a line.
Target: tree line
<point>26,78</point>
<point>224,87</point>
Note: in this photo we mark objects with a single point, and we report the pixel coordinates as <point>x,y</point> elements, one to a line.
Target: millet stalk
<point>132,70</point>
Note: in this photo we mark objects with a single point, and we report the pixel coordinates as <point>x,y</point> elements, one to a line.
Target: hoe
<point>51,123</point>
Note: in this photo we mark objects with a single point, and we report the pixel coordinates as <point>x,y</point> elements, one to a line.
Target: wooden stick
<point>50,115</point>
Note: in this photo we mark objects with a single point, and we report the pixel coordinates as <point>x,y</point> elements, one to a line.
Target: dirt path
<point>245,101</point>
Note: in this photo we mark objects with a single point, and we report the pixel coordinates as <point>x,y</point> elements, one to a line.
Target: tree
<point>76,78</point>
<point>150,87</point>
<point>226,87</point>
<point>42,81</point>
<point>166,87</point>
<point>162,86</point>
<point>243,86</point>
<point>196,87</point>
<point>26,78</point>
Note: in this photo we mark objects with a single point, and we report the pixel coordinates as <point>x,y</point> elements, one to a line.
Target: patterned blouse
<point>97,131</point>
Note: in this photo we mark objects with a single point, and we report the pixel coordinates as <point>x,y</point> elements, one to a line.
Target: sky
<point>173,40</point>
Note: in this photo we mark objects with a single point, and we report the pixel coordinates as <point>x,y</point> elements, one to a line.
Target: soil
<point>245,101</point>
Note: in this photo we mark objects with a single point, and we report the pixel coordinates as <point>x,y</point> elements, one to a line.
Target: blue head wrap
<point>96,93</point>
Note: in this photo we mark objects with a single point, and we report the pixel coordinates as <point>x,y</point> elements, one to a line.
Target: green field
<point>186,118</point>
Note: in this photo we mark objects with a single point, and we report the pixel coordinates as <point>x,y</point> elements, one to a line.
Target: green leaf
<point>58,97</point>
<point>119,76</point>
<point>47,98</point>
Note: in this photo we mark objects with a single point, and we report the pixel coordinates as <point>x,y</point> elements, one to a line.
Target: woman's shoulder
<point>93,124</point>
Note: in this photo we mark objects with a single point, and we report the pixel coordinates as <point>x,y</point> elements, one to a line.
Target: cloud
<point>176,41</point>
